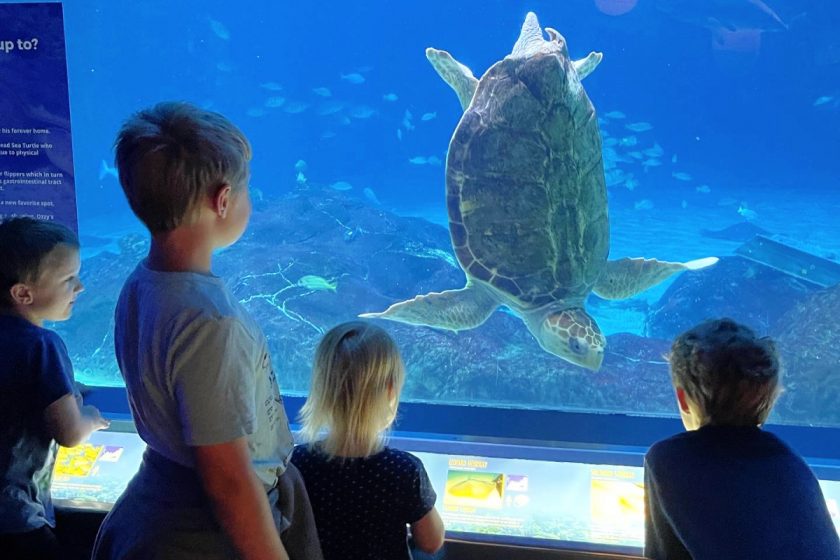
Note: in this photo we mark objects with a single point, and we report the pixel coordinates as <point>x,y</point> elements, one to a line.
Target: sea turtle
<point>527,202</point>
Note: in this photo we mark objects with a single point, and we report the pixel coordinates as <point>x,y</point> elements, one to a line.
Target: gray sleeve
<point>213,381</point>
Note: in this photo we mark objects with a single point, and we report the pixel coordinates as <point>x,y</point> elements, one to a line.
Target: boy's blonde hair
<point>171,155</point>
<point>730,373</point>
<point>356,374</point>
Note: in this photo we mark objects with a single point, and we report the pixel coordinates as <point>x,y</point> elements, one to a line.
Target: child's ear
<point>21,294</point>
<point>221,200</point>
<point>682,399</point>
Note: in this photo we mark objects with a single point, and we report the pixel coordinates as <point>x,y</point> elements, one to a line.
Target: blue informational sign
<point>36,152</point>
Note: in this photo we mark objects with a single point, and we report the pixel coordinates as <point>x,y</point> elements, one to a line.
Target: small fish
<point>330,108</point>
<point>322,91</point>
<point>644,204</point>
<point>684,204</point>
<point>609,142</point>
<point>105,170</point>
<point>344,120</point>
<point>300,165</point>
<point>652,162</point>
<point>749,215</point>
<point>704,189</point>
<point>317,283</point>
<point>610,154</point>
<point>371,196</point>
<point>295,107</point>
<point>674,158</point>
<point>655,152</point>
<point>615,115</point>
<point>630,184</point>
<point>300,179</point>
<point>350,234</point>
<point>224,67</point>
<point>628,141</point>
<point>341,186</point>
<point>390,97</point>
<point>275,102</point>
<point>406,122</point>
<point>433,160</point>
<point>362,112</point>
<point>271,86</point>
<point>399,134</point>
<point>353,78</point>
<point>615,177</point>
<point>327,134</point>
<point>639,126</point>
<point>219,29</point>
<point>418,160</point>
<point>255,112</point>
<point>823,99</point>
<point>256,194</point>
<point>636,155</point>
<point>428,116</point>
<point>681,176</point>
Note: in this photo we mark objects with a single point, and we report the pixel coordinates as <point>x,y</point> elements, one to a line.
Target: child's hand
<point>99,423</point>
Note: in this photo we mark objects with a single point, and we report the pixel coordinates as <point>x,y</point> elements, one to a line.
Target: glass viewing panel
<point>715,140</point>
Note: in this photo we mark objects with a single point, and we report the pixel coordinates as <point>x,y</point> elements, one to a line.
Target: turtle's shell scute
<point>525,187</point>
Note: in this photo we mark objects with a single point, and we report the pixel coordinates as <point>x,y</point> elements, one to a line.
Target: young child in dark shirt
<point>726,489</point>
<point>363,493</point>
<point>39,403</point>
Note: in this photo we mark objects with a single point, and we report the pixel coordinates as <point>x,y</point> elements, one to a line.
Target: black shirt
<point>362,505</point>
<point>35,371</point>
<point>725,492</point>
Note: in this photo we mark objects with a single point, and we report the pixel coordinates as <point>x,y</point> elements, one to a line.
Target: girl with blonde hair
<point>364,493</point>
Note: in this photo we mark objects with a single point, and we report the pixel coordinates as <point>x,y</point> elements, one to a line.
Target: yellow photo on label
<point>76,462</point>
<point>474,489</point>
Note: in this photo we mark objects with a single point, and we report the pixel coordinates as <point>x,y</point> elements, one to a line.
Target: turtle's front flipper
<point>458,76</point>
<point>585,66</point>
<point>627,277</point>
<point>455,310</point>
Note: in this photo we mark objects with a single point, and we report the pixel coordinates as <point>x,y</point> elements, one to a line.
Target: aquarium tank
<point>701,134</point>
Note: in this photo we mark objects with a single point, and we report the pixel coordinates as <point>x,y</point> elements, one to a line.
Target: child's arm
<point>70,423</point>
<point>428,532</point>
<point>239,499</point>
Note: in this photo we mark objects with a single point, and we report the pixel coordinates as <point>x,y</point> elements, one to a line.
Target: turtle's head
<point>574,336</point>
<point>531,43</point>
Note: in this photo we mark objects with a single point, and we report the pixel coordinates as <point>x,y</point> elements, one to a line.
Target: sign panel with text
<point>36,153</point>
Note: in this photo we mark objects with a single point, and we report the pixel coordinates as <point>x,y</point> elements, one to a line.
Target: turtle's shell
<point>525,185</point>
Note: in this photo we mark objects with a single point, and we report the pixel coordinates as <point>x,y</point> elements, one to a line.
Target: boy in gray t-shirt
<point>215,481</point>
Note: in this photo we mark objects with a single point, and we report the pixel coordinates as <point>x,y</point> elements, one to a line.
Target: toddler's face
<point>57,287</point>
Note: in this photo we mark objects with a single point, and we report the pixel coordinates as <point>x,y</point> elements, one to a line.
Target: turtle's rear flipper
<point>455,310</point>
<point>627,277</point>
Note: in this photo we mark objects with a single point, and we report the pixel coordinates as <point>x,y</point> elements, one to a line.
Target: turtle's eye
<point>578,345</point>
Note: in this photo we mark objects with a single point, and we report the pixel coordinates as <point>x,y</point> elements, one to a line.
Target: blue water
<point>745,121</point>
